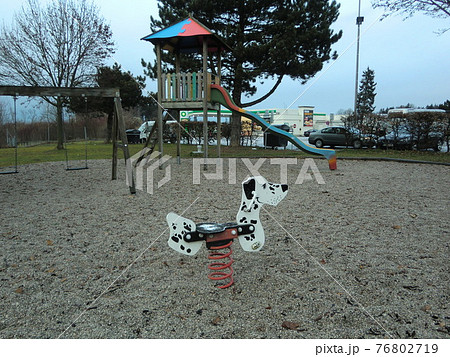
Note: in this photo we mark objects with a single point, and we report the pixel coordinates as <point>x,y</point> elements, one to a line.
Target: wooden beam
<point>188,105</point>
<point>27,91</point>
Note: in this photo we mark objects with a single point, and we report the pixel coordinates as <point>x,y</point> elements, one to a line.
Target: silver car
<point>335,136</point>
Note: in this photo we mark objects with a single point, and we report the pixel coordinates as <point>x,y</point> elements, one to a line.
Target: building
<point>299,120</point>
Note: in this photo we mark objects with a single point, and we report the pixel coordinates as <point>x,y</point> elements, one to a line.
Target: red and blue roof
<point>187,36</point>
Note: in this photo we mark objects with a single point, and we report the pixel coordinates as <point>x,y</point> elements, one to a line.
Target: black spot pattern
<point>250,238</point>
<point>187,226</point>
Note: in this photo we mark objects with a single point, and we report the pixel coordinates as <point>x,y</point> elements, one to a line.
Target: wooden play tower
<point>202,90</point>
<point>187,91</point>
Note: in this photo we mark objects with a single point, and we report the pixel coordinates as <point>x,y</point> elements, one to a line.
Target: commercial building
<point>299,120</point>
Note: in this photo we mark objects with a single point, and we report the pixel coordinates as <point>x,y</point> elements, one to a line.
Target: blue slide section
<point>220,95</point>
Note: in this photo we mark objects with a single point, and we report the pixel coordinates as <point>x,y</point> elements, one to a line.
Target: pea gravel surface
<point>364,255</point>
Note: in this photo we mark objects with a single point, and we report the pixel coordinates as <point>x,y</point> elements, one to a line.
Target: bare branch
<point>434,8</point>
<point>267,95</point>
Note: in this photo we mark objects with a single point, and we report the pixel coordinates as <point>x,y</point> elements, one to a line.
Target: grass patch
<point>395,154</point>
<point>98,150</point>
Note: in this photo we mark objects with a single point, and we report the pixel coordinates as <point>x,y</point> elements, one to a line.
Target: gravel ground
<point>364,255</point>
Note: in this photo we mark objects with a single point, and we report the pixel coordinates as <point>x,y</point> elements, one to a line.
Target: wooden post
<point>163,87</point>
<point>179,94</point>
<point>59,123</point>
<point>160,113</point>
<point>219,119</point>
<point>178,136</point>
<point>114,144</point>
<point>123,138</point>
<point>205,102</point>
<point>177,74</point>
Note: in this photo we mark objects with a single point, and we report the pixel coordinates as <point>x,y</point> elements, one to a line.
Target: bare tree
<point>433,8</point>
<point>59,45</point>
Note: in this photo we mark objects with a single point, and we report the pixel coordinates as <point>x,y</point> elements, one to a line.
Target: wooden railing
<point>187,87</point>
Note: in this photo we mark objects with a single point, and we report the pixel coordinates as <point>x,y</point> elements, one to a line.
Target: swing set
<point>118,132</point>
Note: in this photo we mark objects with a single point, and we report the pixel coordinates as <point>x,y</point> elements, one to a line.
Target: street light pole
<point>359,21</point>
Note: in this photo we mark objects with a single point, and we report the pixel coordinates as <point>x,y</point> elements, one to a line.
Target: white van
<point>145,130</point>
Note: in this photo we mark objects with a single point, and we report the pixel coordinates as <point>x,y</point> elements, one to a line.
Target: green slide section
<point>220,95</point>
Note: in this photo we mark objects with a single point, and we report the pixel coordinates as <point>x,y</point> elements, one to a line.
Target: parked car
<point>335,136</point>
<point>402,139</point>
<point>368,140</point>
<point>133,136</point>
<point>309,132</point>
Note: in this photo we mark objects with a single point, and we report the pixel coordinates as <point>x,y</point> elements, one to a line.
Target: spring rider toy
<point>186,237</point>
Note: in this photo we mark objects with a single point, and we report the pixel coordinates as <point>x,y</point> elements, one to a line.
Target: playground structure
<point>118,121</point>
<point>203,91</point>
<point>186,237</point>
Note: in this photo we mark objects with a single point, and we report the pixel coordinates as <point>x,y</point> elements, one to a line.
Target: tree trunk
<point>235,138</point>
<point>109,124</point>
<point>235,123</point>
<point>59,124</point>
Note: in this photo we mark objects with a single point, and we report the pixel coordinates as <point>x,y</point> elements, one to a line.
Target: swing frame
<point>118,120</point>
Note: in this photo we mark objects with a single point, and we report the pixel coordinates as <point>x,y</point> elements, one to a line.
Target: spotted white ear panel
<point>251,242</point>
<point>248,193</point>
<point>179,226</point>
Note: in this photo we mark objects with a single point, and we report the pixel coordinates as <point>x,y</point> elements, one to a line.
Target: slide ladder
<point>220,95</point>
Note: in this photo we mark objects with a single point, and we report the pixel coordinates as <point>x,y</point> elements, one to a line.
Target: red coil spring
<point>216,266</point>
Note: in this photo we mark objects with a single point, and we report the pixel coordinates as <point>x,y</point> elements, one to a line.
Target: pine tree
<point>366,94</point>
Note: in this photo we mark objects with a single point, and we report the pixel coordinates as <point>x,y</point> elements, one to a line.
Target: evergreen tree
<point>366,95</point>
<point>364,119</point>
<point>270,39</point>
<point>112,77</point>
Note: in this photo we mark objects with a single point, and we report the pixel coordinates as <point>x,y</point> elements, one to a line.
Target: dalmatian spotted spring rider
<point>186,237</point>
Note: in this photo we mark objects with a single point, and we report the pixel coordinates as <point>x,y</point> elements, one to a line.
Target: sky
<point>411,61</point>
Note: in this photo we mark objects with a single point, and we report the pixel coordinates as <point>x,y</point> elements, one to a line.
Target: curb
<point>394,160</point>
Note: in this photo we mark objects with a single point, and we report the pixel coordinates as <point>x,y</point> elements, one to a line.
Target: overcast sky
<point>411,62</point>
